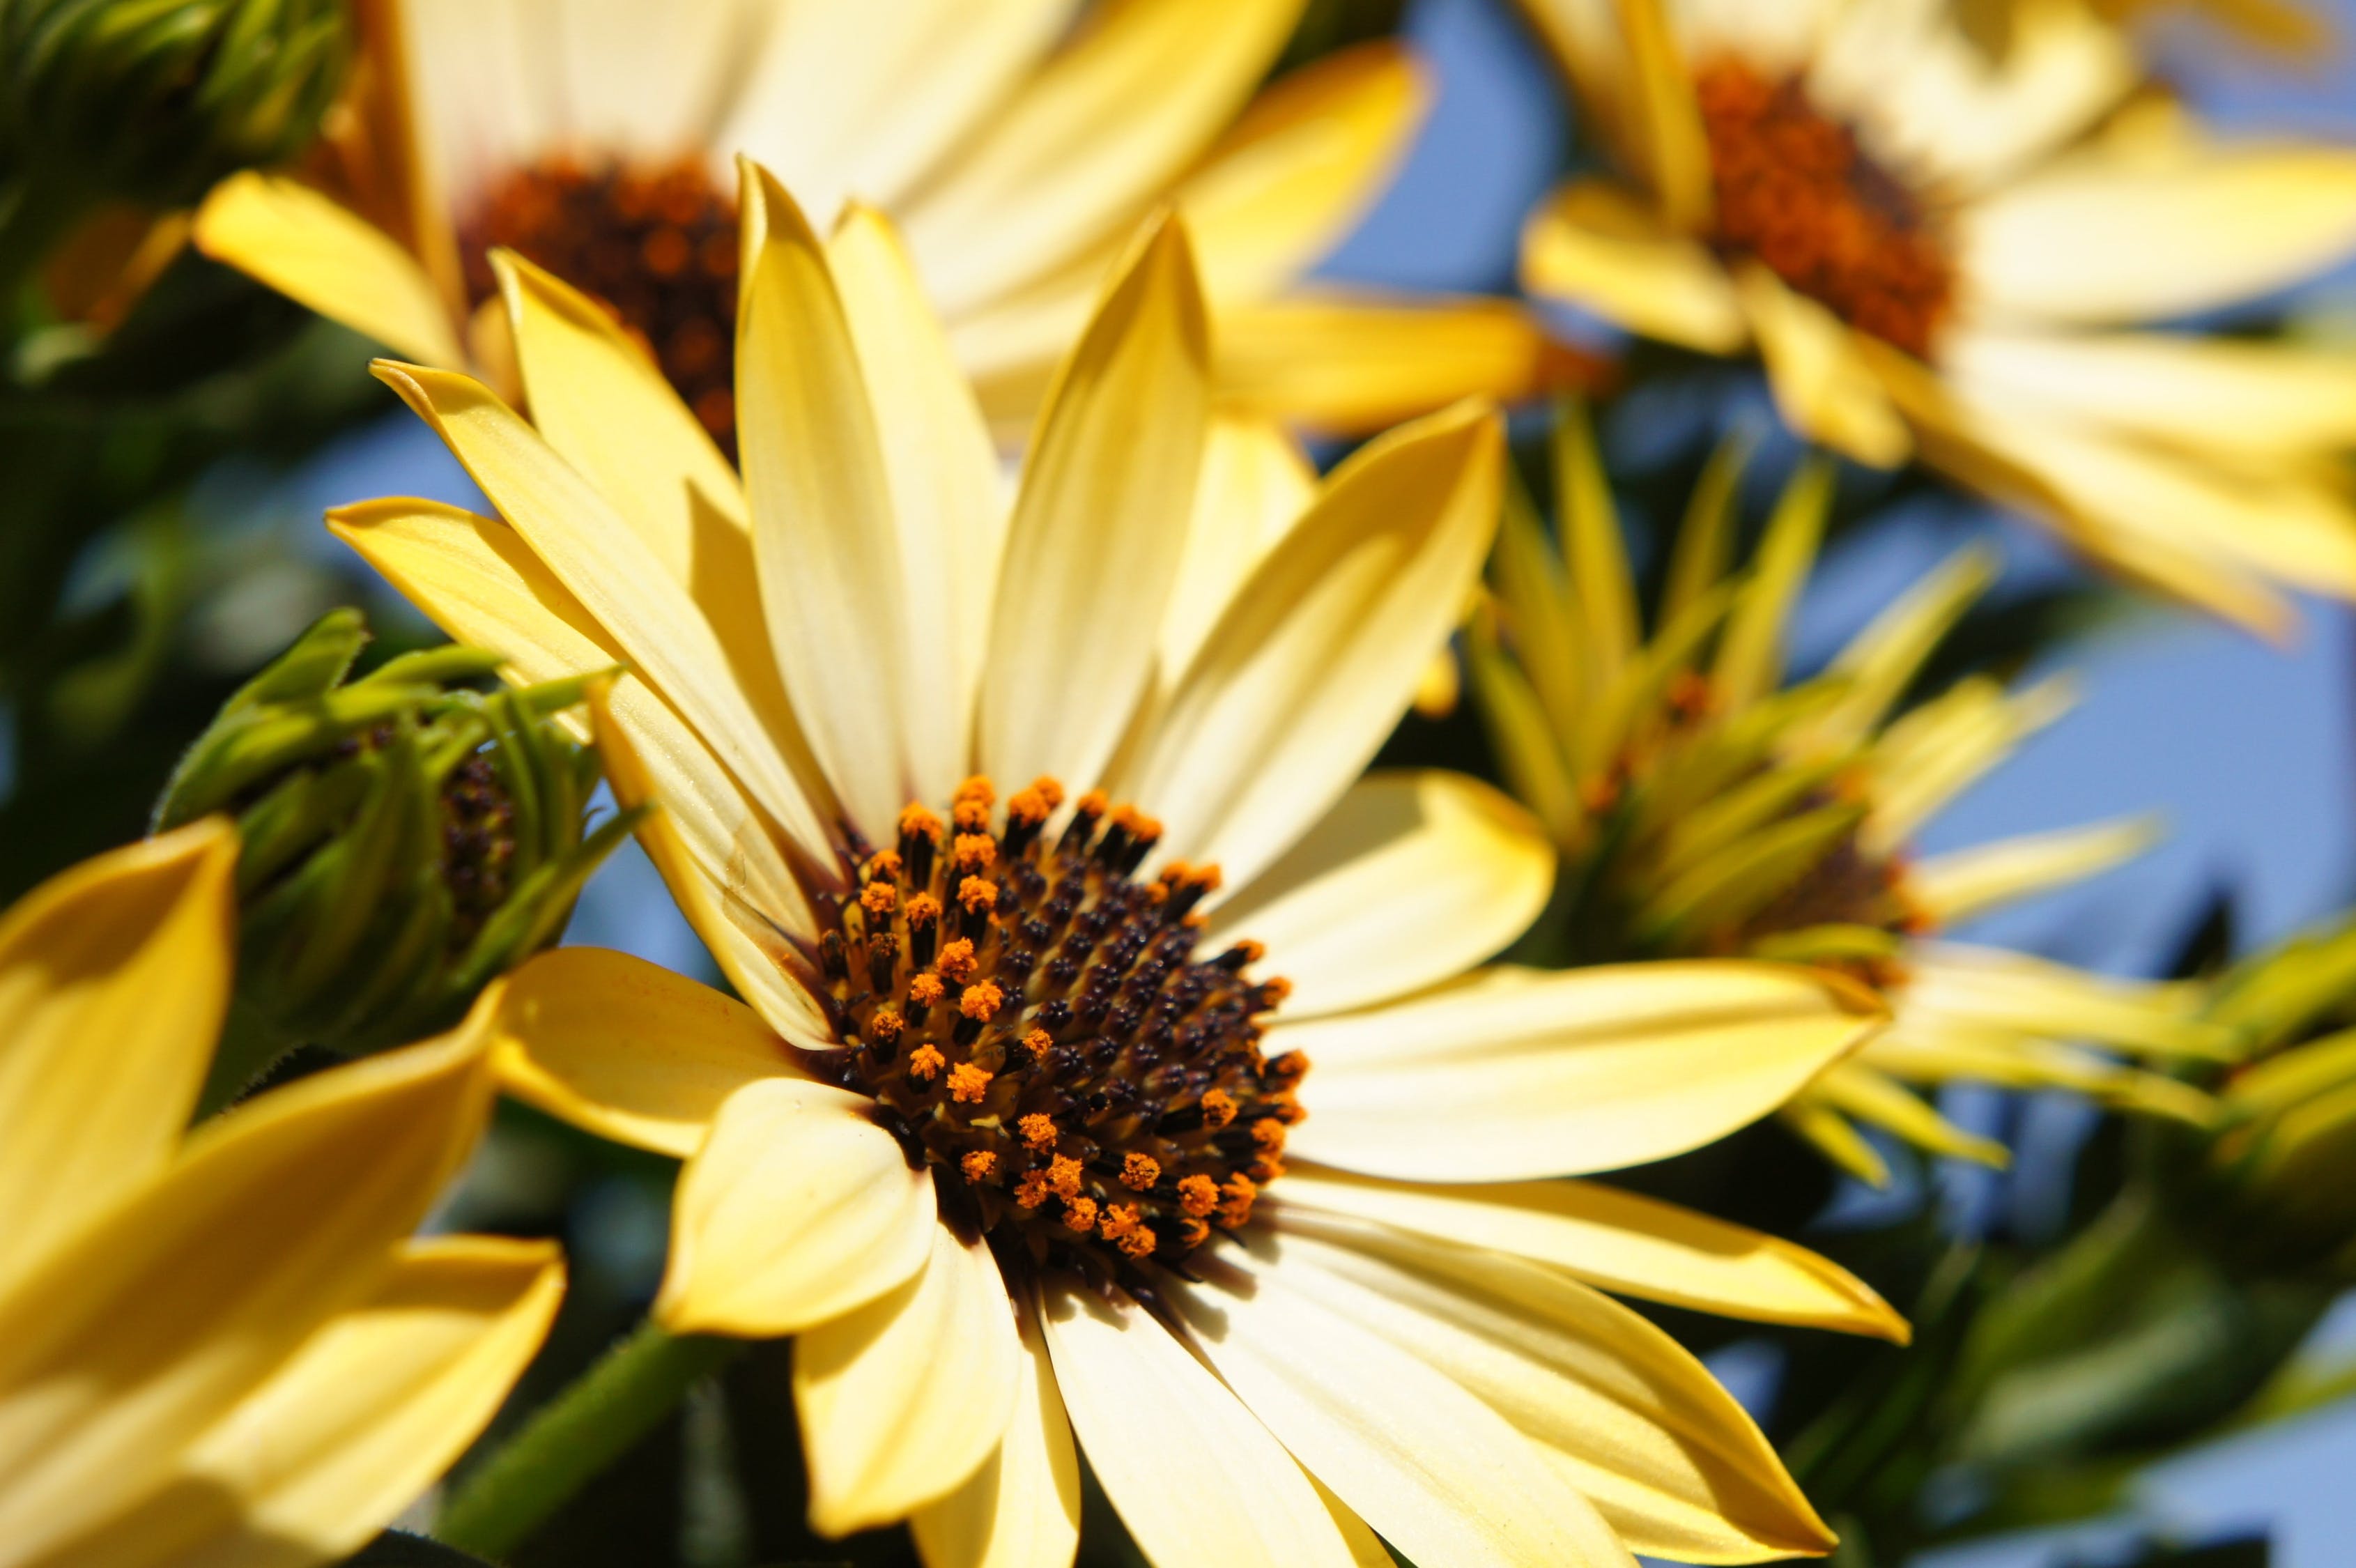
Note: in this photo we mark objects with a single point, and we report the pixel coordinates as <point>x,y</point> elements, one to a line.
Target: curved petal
<point>797,1208</point>
<point>824,536</point>
<point>1100,527</point>
<point>1965,883</point>
<point>1631,1245</point>
<point>1519,1073</point>
<point>323,257</point>
<point>902,1400</point>
<point>1953,985</point>
<point>1412,879</point>
<point>113,980</point>
<point>1256,483</point>
<point>1593,246</point>
<point>1195,1477</point>
<point>1082,150</point>
<point>121,1347</point>
<point>1824,390</point>
<point>1021,1508</point>
<point>627,1049</point>
<point>2107,238</point>
<point>1431,1467</point>
<point>1318,654</point>
<point>1626,1415</point>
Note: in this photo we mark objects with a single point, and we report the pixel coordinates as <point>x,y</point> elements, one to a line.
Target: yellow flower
<point>221,1346</point>
<point>1942,257</point>
<point>1009,1060</point>
<point>1704,806</point>
<point>1016,150</point>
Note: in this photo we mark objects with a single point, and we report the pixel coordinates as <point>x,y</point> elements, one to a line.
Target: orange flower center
<point>1794,189</point>
<point>658,245</point>
<point>1028,1014</point>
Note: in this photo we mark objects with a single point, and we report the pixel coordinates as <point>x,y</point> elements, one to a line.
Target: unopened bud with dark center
<point>407,838</point>
<point>153,101</point>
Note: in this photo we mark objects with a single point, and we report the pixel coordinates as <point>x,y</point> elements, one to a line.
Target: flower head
<point>1707,806</point>
<point>1952,256</point>
<point>976,808</point>
<point>206,1333</point>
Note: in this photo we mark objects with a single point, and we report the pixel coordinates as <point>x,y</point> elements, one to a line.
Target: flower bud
<point>406,839</point>
<point>154,100</point>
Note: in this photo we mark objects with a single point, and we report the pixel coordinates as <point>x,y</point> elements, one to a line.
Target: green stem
<point>571,1440</point>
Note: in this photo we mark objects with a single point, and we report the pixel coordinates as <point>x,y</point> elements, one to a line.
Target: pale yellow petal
<point>1300,167</point>
<point>1082,150</point>
<point>1996,987</point>
<point>1518,1073</point>
<point>1623,1412</point>
<point>482,584</point>
<point>627,1049</point>
<point>1822,388</point>
<point>2107,237</point>
<point>1198,1479</point>
<point>1965,883</point>
<point>1833,1136</point>
<point>1858,1090</point>
<point>1021,1508</point>
<point>1935,752</point>
<point>1440,1475</point>
<point>121,1347</point>
<point>1412,879</point>
<point>1621,1241</point>
<point>114,977</point>
<point>797,1208</point>
<point>1255,485</point>
<point>1592,246</point>
<point>1317,656</point>
<point>1880,662</point>
<point>944,479</point>
<point>602,560</point>
<point>902,1400</point>
<point>321,256</point>
<point>1354,361</point>
<point>1666,116</point>
<point>1098,531</point>
<point>825,537</point>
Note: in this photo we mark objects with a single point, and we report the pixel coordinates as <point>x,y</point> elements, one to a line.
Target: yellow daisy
<point>1942,257</point>
<point>1004,1133</point>
<point>220,1346</point>
<point>1704,806</point>
<point>1016,144</point>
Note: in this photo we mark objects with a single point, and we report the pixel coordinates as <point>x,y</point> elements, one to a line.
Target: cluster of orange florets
<point>1029,1014</point>
<point>1793,189</point>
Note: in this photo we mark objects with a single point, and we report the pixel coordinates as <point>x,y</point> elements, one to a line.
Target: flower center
<point>1795,190</point>
<point>657,244</point>
<point>1028,1015</point>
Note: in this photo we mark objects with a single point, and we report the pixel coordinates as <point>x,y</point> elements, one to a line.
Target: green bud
<point>407,840</point>
<point>153,101</point>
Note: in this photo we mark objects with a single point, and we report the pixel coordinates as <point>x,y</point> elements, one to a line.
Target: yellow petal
<point>944,479</point>
<point>602,560</point>
<point>1517,1073</point>
<point>1021,1508</point>
<point>1751,649</point>
<point>1822,388</point>
<point>1631,1245</point>
<point>1437,1472</point>
<point>1354,361</point>
<point>1970,882</point>
<point>482,584</point>
<point>121,1347</point>
<point>1935,752</point>
<point>1835,1138</point>
<point>113,980</point>
<point>323,256</point>
<point>1593,246</point>
<point>902,1400</point>
<point>1623,1413</point>
<point>2113,238</point>
<point>1099,528</point>
<point>1859,1092</point>
<point>797,1208</point>
<point>1192,1474</point>
<point>1083,149</point>
<point>1992,987</point>
<point>1929,1051</point>
<point>1255,485</point>
<point>1412,879</point>
<point>1316,658</point>
<point>627,1049</point>
<point>1880,662</point>
<point>1301,166</point>
<point>1666,116</point>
